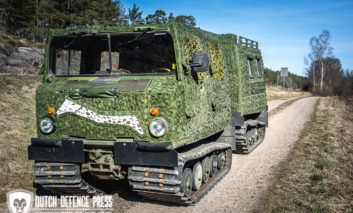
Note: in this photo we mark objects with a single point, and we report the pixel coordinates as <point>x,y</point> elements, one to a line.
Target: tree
<point>171,17</point>
<point>321,49</point>
<point>159,17</point>
<point>108,12</point>
<point>271,76</point>
<point>18,16</point>
<point>32,18</point>
<point>187,20</point>
<point>135,16</point>
<point>63,13</point>
<point>347,83</point>
<point>150,19</point>
<point>311,71</point>
<point>334,72</point>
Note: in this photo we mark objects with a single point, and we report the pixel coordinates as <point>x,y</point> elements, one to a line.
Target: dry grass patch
<point>274,93</point>
<point>17,126</point>
<point>318,174</point>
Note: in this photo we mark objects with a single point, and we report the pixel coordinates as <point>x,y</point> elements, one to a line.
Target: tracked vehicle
<point>161,106</point>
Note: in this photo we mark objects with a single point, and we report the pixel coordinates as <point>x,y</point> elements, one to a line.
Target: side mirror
<point>199,62</point>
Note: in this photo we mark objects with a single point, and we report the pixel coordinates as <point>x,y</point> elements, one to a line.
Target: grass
<point>317,176</point>
<point>17,126</point>
<point>274,93</point>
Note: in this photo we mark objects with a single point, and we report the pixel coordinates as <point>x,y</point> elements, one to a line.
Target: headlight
<point>46,125</point>
<point>159,127</point>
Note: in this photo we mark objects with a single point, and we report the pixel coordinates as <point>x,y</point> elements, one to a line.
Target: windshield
<point>131,53</point>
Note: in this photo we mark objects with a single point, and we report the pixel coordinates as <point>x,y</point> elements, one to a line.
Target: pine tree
<point>135,16</point>
<point>150,19</point>
<point>171,17</point>
<point>159,17</point>
<point>19,17</point>
<point>187,20</point>
<point>63,13</point>
<point>31,18</point>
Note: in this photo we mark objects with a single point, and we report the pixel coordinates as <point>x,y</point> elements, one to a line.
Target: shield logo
<point>19,201</point>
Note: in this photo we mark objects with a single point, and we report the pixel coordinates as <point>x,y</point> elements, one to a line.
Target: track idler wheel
<point>262,131</point>
<point>186,182</point>
<point>196,176</point>
<point>206,169</point>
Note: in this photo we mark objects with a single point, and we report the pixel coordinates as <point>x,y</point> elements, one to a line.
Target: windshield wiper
<point>137,38</point>
<point>72,42</point>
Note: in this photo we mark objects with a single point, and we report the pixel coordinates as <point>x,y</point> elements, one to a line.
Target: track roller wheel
<point>206,169</point>
<point>221,160</point>
<point>213,165</point>
<point>196,176</point>
<point>186,182</point>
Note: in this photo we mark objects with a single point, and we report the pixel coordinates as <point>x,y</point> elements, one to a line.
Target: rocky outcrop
<point>20,60</point>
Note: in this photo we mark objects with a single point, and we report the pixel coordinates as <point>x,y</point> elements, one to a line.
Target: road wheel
<point>186,182</point>
<point>196,176</point>
<point>213,165</point>
<point>221,160</point>
<point>206,169</point>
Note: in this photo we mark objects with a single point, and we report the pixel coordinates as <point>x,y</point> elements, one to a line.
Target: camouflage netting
<point>253,91</point>
<point>216,56</point>
<point>191,45</point>
<point>164,95</point>
<point>195,105</point>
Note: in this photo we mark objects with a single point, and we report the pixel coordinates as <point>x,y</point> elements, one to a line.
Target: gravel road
<point>275,103</point>
<point>249,176</point>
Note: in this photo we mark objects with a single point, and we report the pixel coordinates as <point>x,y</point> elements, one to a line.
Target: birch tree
<point>321,49</point>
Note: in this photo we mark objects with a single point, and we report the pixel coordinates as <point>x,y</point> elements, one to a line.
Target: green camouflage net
<point>195,105</point>
<point>216,56</point>
<point>191,45</point>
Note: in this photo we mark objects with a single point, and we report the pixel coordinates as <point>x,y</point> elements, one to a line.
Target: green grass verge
<point>17,126</point>
<point>317,176</point>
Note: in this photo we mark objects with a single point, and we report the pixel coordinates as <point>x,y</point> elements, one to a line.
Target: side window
<point>216,56</point>
<point>258,68</point>
<point>250,68</point>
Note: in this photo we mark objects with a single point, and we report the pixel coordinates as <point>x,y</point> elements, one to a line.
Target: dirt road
<point>275,103</point>
<point>249,176</point>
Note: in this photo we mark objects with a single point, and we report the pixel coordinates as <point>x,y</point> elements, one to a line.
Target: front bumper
<point>125,153</point>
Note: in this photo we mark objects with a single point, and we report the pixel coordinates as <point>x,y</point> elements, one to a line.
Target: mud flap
<point>127,153</point>
<point>55,150</point>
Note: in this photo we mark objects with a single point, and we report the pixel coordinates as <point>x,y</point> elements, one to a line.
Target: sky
<point>282,28</point>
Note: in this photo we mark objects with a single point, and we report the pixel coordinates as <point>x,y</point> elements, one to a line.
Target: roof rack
<point>248,43</point>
